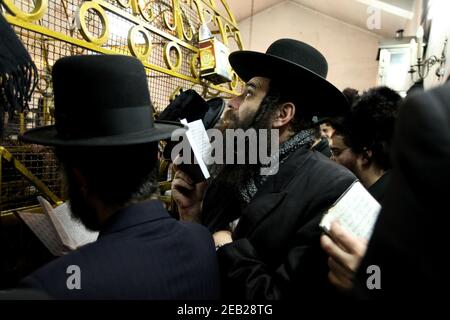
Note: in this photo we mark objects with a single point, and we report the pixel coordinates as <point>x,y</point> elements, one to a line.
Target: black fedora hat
<point>101,100</point>
<point>191,106</point>
<point>187,105</point>
<point>300,69</point>
<point>215,110</point>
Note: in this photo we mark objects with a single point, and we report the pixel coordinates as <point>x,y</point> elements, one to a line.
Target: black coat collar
<point>271,192</point>
<point>135,214</point>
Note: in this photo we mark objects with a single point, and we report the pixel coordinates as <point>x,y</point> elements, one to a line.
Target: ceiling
<point>242,8</point>
<point>394,14</point>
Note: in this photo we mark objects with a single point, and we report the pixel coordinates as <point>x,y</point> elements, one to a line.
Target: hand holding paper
<point>356,210</point>
<point>195,164</point>
<point>188,196</point>
<point>348,225</point>
<point>345,253</point>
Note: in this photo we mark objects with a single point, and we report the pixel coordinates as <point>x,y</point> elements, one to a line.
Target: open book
<point>356,211</point>
<point>56,228</point>
<point>195,163</point>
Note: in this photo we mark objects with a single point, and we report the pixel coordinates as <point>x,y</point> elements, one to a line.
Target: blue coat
<point>142,253</point>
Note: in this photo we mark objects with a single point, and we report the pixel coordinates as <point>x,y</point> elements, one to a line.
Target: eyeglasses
<point>336,152</point>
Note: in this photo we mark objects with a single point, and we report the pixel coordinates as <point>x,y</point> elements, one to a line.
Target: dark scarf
<point>248,189</point>
<point>18,73</point>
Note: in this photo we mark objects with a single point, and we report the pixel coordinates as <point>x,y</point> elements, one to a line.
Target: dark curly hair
<point>371,124</point>
<point>341,124</point>
<point>352,95</point>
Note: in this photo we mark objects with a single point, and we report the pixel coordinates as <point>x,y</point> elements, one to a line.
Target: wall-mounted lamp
<point>421,68</point>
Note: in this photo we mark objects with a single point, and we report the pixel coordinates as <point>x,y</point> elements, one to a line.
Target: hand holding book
<point>356,210</point>
<point>345,252</point>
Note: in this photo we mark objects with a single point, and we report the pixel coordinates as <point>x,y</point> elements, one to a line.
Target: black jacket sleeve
<point>302,273</point>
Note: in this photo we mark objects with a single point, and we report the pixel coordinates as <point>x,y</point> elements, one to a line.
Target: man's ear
<point>285,114</point>
<point>366,157</point>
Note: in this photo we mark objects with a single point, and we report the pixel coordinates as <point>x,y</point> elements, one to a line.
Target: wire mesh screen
<point>162,34</point>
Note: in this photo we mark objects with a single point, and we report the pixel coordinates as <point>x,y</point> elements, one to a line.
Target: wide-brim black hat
<point>49,136</point>
<point>191,106</point>
<point>187,105</point>
<point>216,106</point>
<point>101,100</point>
<point>300,70</point>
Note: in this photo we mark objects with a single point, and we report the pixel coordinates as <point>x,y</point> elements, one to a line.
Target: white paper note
<point>199,141</point>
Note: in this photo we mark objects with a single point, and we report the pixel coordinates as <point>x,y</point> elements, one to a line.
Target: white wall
<point>351,52</point>
<point>440,29</point>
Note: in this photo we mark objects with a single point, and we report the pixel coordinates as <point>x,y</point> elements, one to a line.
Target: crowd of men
<point>242,234</point>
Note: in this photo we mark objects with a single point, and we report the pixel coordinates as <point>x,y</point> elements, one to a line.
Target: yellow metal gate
<point>161,33</point>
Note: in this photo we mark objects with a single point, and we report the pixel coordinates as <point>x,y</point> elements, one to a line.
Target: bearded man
<point>266,227</point>
<point>108,160</point>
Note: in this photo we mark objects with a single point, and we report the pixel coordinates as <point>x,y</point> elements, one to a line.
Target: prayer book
<point>56,228</point>
<point>355,210</point>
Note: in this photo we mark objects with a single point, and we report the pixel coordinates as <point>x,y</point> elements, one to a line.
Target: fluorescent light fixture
<point>389,8</point>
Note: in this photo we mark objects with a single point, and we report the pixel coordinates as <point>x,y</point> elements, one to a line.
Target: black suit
<point>276,251</point>
<point>408,241</point>
<point>378,189</point>
<point>142,253</point>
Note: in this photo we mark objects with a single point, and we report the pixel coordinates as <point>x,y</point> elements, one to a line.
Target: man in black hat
<point>106,141</point>
<point>266,228</point>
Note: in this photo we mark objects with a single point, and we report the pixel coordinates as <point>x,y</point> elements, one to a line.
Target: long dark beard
<point>79,207</point>
<point>231,176</point>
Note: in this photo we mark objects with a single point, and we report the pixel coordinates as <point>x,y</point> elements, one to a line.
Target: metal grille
<point>27,171</point>
<point>59,33</point>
